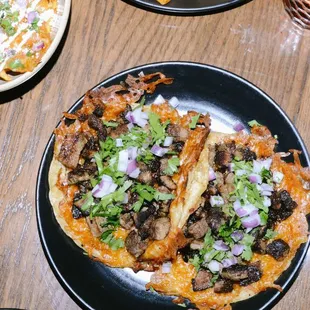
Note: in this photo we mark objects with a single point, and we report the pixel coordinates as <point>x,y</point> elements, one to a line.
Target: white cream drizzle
<point>7,41</point>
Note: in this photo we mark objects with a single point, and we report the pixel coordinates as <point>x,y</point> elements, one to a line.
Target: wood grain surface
<point>256,40</point>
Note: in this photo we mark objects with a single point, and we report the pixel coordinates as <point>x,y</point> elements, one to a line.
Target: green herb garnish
<point>194,121</point>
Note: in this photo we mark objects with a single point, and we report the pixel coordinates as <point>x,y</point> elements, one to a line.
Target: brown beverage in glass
<point>299,10</point>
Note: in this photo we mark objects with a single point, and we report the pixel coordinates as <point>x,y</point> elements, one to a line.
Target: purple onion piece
<point>168,141</point>
<point>214,266</point>
<point>135,173</point>
<point>227,262</point>
<point>219,245</point>
<point>238,127</point>
<point>212,175</point>
<point>237,236</point>
<point>132,166</point>
<point>237,249</point>
<point>266,187</point>
<point>31,16</point>
<point>255,178</point>
<point>159,151</point>
<point>251,221</point>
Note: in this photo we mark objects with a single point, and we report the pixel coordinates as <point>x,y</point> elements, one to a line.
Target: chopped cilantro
<point>173,164</point>
<point>196,261</point>
<point>141,103</point>
<point>108,238</point>
<point>163,196</point>
<point>145,191</point>
<point>270,234</point>
<point>263,217</point>
<point>34,24</point>
<point>88,200</point>
<point>247,241</point>
<point>157,129</point>
<point>29,54</point>
<point>16,64</point>
<point>194,121</point>
<point>152,289</point>
<point>110,124</point>
<point>137,205</point>
<point>182,305</point>
<point>254,123</point>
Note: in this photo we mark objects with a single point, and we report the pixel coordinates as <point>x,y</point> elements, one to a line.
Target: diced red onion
<point>22,3</point>
<point>266,187</point>
<point>216,201</point>
<point>122,161</point>
<point>214,266</point>
<point>174,102</point>
<point>159,151</point>
<point>159,100</point>
<point>237,249</point>
<point>130,126</point>
<point>168,141</point>
<point>119,142</point>
<point>237,236</point>
<point>38,46</point>
<point>135,173</point>
<point>132,166</point>
<point>255,178</point>
<point>137,117</point>
<point>266,201</point>
<point>277,177</point>
<point>166,267</point>
<point>258,165</point>
<point>141,74</point>
<point>130,118</point>
<point>212,175</point>
<point>245,210</point>
<point>251,221</point>
<point>241,172</point>
<point>231,167</point>
<point>132,152</point>
<point>266,193</point>
<point>219,245</point>
<point>238,127</point>
<point>31,16</point>
<point>227,262</point>
<point>105,187</point>
<point>125,200</point>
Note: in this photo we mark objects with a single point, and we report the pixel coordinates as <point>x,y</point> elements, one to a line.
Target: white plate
<point>60,25</point>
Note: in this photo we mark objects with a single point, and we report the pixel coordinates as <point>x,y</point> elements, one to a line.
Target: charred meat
<point>202,280</point>
<point>198,229</point>
<point>96,123</point>
<point>178,132</point>
<point>278,249</point>
<point>223,286</point>
<point>82,173</point>
<point>134,244</point>
<point>160,228</point>
<point>71,149</point>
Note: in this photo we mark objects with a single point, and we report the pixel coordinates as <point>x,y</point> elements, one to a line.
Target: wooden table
<point>256,40</point>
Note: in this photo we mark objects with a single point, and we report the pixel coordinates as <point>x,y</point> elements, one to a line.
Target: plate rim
<point>46,57</point>
<point>182,11</point>
<point>297,268</point>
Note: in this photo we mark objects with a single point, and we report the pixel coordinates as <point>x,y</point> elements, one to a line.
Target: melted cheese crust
<point>293,230</point>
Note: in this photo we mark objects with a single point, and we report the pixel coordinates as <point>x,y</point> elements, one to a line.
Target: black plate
<point>188,6</point>
<point>229,99</point>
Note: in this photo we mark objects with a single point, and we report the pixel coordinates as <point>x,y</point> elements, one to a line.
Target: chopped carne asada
<point>241,207</point>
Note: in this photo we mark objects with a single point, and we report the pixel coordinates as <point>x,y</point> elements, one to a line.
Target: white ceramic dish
<point>64,7</point>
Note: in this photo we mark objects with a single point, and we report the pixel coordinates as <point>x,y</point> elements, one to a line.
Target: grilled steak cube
<point>202,280</point>
<point>278,249</point>
<point>223,286</point>
<point>134,244</point>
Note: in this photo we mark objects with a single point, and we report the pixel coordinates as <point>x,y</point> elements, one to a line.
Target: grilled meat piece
<point>154,165</point>
<point>244,274</point>
<point>163,165</point>
<point>145,177</point>
<point>132,199</point>
<point>160,228</point>
<point>167,181</point>
<point>282,206</point>
<point>196,245</point>
<point>254,274</point>
<point>82,173</point>
<point>278,249</point>
<point>76,212</point>
<point>248,155</point>
<point>126,220</point>
<point>198,229</point>
<point>134,244</point>
<point>235,273</point>
<point>259,246</point>
<point>82,117</point>
<point>95,225</point>
<point>118,131</point>
<point>71,149</point>
<point>202,280</point>
<point>178,146</point>
<point>96,123</point>
<point>84,187</point>
<point>188,253</point>
<point>98,110</point>
<point>90,148</point>
<point>145,229</point>
<point>215,219</point>
<point>177,132</point>
<point>223,286</point>
<point>223,155</point>
<point>144,214</point>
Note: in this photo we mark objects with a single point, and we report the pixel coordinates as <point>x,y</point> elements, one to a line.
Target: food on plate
<point>124,173</point>
<point>218,217</point>
<point>163,2</point>
<point>26,28</point>
<point>247,231</point>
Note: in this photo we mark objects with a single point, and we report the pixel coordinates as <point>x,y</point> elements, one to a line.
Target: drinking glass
<point>299,10</point>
